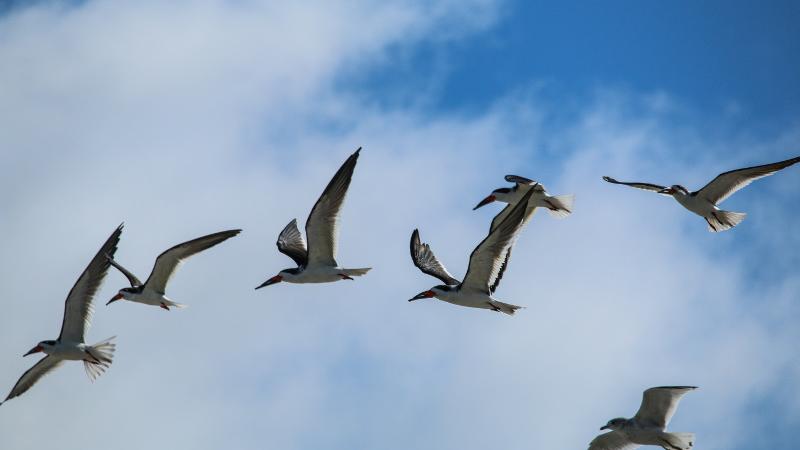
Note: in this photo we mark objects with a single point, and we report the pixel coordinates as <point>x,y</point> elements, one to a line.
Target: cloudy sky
<point>185,118</point>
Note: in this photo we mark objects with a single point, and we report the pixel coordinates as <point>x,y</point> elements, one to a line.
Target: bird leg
<point>163,305</point>
<point>345,276</point>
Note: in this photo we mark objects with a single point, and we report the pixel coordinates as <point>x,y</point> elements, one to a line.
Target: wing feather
<point>169,260</point>
<point>291,243</point>
<point>132,279</point>
<point>323,222</point>
<point>726,184</point>
<point>426,261</point>
<point>78,306</point>
<point>613,440</point>
<point>659,405</point>
<point>638,185</point>
<point>32,375</point>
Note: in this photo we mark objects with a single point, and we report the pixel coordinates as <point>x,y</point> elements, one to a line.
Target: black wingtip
<point>357,152</point>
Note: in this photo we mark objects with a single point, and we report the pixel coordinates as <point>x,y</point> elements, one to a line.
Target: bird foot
<point>345,277</point>
<point>164,306</point>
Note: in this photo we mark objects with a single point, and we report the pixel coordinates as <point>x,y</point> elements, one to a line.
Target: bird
<point>70,344</point>
<point>487,263</point>
<point>648,426</point>
<point>153,291</point>
<point>559,206</point>
<point>317,263</point>
<point>704,202</point>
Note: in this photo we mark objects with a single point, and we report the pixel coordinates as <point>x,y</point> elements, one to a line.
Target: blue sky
<point>190,117</point>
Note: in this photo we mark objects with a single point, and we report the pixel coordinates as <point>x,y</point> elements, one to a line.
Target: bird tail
<point>171,304</point>
<point>356,272</point>
<point>561,205</point>
<point>504,308</point>
<point>678,441</point>
<point>723,220</point>
<point>99,357</point>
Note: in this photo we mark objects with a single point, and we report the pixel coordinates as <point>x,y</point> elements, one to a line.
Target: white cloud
<point>186,119</point>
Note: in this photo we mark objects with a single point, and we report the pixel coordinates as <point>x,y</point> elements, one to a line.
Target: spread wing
<point>725,184</point>
<point>426,261</point>
<point>78,306</point>
<point>169,261</point>
<point>613,440</point>
<point>518,179</point>
<point>500,273</point>
<point>32,375</point>
<point>323,221</point>
<point>659,405</point>
<point>132,279</point>
<point>638,185</point>
<point>498,219</point>
<point>486,261</point>
<point>291,243</point>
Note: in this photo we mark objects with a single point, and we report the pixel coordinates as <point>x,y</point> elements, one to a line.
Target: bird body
<point>472,298</point>
<point>559,206</point>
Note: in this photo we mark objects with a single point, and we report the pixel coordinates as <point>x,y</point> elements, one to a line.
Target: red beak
<point>36,349</point>
<point>485,201</point>
<point>114,298</point>
<point>426,294</point>
<point>273,280</point>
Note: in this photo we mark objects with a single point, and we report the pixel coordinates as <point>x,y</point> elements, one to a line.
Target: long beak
<point>485,201</point>
<point>604,427</point>
<point>36,349</point>
<point>421,295</point>
<point>114,298</point>
<point>273,280</point>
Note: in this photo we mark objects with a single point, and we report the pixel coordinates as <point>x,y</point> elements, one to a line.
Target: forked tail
<point>560,206</point>
<point>504,308</point>
<point>99,357</point>
<point>677,441</point>
<point>167,304</point>
<point>356,272</point>
<point>723,220</point>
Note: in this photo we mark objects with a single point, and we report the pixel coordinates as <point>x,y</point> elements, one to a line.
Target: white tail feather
<point>99,358</point>
<point>504,308</point>
<point>723,220</point>
<point>679,441</point>
<point>172,304</point>
<point>356,272</point>
<point>562,204</point>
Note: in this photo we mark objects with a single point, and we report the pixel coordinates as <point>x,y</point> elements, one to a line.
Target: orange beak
<point>426,294</point>
<point>36,349</point>
<point>485,201</point>
<point>273,280</point>
<point>114,298</point>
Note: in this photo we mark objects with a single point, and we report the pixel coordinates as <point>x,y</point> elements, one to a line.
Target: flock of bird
<point>316,263</point>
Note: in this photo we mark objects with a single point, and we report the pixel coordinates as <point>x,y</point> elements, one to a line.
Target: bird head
<point>43,346</point>
<point>282,275</point>
<point>615,424</point>
<point>436,291</point>
<point>497,195</point>
<point>675,188</point>
<point>124,293</point>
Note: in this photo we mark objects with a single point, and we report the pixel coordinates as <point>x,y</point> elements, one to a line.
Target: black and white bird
<point>648,426</point>
<point>153,291</point>
<point>486,265</point>
<point>70,344</point>
<point>317,263</point>
<point>559,205</point>
<point>704,202</point>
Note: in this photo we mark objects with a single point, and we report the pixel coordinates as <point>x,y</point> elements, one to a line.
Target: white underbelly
<point>69,350</point>
<point>149,297</point>
<point>469,299</point>
<point>320,274</point>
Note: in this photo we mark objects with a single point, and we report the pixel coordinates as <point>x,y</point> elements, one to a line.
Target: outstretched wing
<point>638,185</point>
<point>32,375</point>
<point>323,221</point>
<point>486,261</point>
<point>659,405</point>
<point>518,179</point>
<point>613,440</point>
<point>132,279</point>
<point>426,261</point>
<point>725,184</point>
<point>291,243</point>
<point>168,261</point>
<point>78,306</point>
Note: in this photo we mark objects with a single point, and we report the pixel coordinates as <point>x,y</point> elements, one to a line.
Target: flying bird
<point>486,265</point>
<point>648,426</point>
<point>317,263</point>
<point>70,344</point>
<point>704,202</point>
<point>152,292</point>
<point>559,205</point>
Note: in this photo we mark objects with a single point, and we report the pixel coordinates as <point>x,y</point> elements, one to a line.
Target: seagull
<point>77,317</point>
<point>648,426</point>
<point>559,206</point>
<point>152,291</point>
<point>486,265</point>
<point>317,264</point>
<point>704,202</point>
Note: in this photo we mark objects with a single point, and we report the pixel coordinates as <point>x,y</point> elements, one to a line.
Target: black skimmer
<point>70,344</point>
<point>704,202</point>
<point>648,426</point>
<point>559,205</point>
<point>317,264</point>
<point>486,265</point>
<point>152,291</point>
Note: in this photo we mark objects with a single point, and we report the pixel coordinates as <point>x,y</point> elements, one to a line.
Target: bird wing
<point>168,261</point>
<point>613,440</point>
<point>32,375</point>
<point>323,221</point>
<point>659,404</point>
<point>291,243</point>
<point>486,261</point>
<point>500,273</point>
<point>498,219</point>
<point>725,184</point>
<point>638,185</point>
<point>519,180</point>
<point>132,279</point>
<point>426,261</point>
<point>78,306</point>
